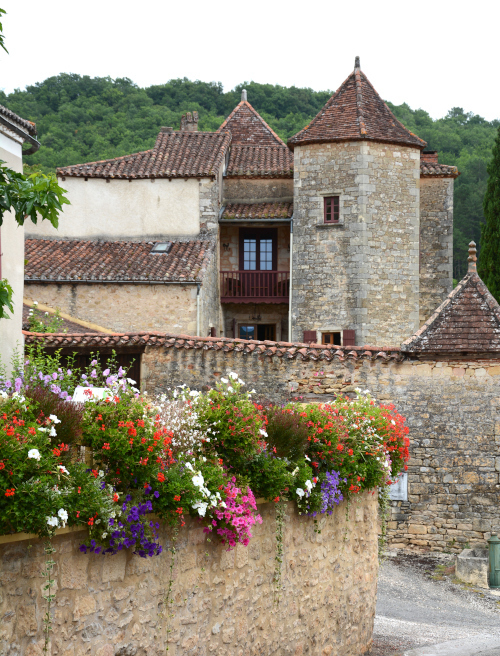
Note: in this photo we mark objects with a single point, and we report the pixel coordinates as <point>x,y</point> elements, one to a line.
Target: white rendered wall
<point>120,209</point>
<point>12,249</point>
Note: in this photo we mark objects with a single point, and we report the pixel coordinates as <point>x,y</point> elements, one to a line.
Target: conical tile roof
<point>356,112</point>
<point>467,321</point>
<point>248,128</point>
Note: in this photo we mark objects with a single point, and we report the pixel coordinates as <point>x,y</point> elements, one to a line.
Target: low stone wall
<point>222,600</point>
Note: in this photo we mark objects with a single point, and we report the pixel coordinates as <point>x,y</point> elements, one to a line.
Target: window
<point>332,338</point>
<point>161,247</point>
<point>258,250</point>
<point>261,331</point>
<point>332,211</point>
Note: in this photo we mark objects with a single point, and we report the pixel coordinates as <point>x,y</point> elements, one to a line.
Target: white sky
<point>433,55</point>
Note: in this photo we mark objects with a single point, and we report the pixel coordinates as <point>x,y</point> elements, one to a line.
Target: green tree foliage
<point>83,119</point>
<point>489,261</point>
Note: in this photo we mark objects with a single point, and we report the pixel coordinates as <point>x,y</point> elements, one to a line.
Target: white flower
<point>233,375</point>
<point>104,535</point>
<point>62,469</point>
<point>52,432</point>
<point>35,303</point>
<point>44,430</point>
<point>201,506</point>
<point>198,480</point>
<point>300,492</point>
<point>101,473</point>
<point>307,458</point>
<point>230,389</point>
<point>189,466</point>
<point>240,381</point>
<point>309,486</point>
<point>224,380</point>
<point>262,432</point>
<point>52,521</point>
<point>34,453</point>
<point>63,514</point>
<point>54,419</point>
<point>253,392</point>
<point>194,393</point>
<point>131,381</point>
<point>294,473</point>
<point>222,504</point>
<point>393,422</point>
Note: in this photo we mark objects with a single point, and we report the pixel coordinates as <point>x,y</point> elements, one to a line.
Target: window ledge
<point>340,224</point>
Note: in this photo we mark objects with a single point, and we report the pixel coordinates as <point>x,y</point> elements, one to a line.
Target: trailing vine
<point>384,504</point>
<point>280,530</point>
<point>49,565</point>
<point>168,601</point>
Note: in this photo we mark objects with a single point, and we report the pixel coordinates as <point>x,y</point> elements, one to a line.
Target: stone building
<point>343,236</point>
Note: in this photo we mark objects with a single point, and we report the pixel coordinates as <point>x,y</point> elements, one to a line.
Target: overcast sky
<point>434,55</point>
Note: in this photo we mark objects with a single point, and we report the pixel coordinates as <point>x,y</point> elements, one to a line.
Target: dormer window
<point>162,247</point>
<point>332,211</point>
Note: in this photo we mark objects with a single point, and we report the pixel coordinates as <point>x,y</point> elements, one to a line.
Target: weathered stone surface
<point>327,606</point>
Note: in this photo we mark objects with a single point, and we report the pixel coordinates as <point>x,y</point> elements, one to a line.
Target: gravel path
<point>414,609</point>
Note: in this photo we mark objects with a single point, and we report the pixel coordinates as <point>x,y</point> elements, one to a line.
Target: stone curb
<point>474,646</point>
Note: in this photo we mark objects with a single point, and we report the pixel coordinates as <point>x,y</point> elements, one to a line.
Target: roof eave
<point>396,142</point>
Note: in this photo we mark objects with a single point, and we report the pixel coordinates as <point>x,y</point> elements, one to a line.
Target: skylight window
<point>162,247</point>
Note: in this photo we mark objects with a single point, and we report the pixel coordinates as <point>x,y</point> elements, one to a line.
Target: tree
<point>489,259</point>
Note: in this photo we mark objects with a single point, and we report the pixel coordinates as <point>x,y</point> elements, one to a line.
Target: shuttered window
<point>309,336</point>
<point>349,338</point>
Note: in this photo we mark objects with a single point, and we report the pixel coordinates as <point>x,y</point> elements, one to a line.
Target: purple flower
<point>18,384</point>
<point>93,373</point>
<point>93,363</point>
<point>156,494</point>
<point>105,372</point>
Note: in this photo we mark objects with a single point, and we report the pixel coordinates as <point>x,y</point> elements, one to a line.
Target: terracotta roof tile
<point>438,170</point>
<point>248,128</point>
<point>108,261</point>
<point>258,211</point>
<point>356,112</point>
<point>467,321</point>
<point>175,155</point>
<point>226,344</point>
<point>260,161</point>
<point>28,126</point>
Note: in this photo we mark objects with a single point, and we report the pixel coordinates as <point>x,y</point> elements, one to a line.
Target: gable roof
<point>28,126</point>
<point>356,112</point>
<point>260,161</point>
<point>54,260</point>
<point>248,128</point>
<point>175,155</point>
<point>468,321</point>
<point>257,211</point>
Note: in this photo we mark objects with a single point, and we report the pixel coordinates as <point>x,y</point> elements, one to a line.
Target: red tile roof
<point>260,161</point>
<point>175,155</point>
<point>289,350</point>
<point>467,321</point>
<point>109,261</point>
<point>248,128</point>
<point>356,112</point>
<point>438,170</point>
<point>28,126</point>
<point>258,211</point>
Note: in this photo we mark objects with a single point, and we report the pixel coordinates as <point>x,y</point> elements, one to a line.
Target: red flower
<point>161,477</point>
<point>276,500</point>
<point>351,452</point>
<point>11,492</point>
<point>115,497</point>
<point>177,497</point>
<point>106,446</point>
<point>340,447</point>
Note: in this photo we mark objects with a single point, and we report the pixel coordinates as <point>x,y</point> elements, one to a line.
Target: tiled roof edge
<point>29,126</point>
<point>67,172</point>
<point>247,104</point>
<point>291,350</point>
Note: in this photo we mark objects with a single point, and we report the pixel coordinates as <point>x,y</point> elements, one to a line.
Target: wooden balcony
<point>255,286</point>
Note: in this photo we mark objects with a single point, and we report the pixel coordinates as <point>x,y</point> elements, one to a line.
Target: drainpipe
<point>198,290</point>
<point>290,292</point>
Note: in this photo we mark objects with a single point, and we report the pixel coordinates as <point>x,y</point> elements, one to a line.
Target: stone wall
<point>222,600</point>
<point>452,408</point>
<point>362,273</point>
<point>436,243</point>
<point>257,190</point>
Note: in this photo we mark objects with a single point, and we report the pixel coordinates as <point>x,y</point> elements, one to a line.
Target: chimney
<point>429,156</point>
<point>472,259</point>
<point>165,130</point>
<point>243,94</point>
<point>356,63</point>
<point>189,122</point>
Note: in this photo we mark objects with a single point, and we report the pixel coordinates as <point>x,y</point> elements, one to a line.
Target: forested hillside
<point>81,119</point>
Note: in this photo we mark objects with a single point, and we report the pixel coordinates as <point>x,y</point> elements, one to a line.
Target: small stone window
<point>332,338</point>
<point>332,209</point>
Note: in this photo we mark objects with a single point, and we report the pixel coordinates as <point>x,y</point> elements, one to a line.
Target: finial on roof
<point>243,94</point>
<point>472,259</point>
<point>356,63</point>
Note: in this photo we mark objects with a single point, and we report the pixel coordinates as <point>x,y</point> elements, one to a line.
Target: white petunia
<point>198,480</point>
<point>309,486</point>
<point>43,430</point>
<point>300,492</point>
<point>34,453</point>
<point>295,471</point>
<point>52,432</point>
<point>262,432</point>
<point>62,469</point>
<point>307,458</point>
<point>131,381</point>
<point>201,506</point>
<point>55,419</point>
<point>189,466</point>
<point>52,521</point>
<point>63,514</point>
<point>233,375</point>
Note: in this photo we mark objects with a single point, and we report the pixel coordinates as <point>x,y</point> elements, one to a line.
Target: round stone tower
<point>356,222</point>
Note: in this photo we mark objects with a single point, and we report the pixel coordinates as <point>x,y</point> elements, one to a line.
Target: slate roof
<point>356,112</point>
<point>260,161</point>
<point>258,211</point>
<point>467,321</point>
<point>115,261</point>
<point>289,350</point>
<point>247,127</point>
<point>28,126</point>
<point>175,155</point>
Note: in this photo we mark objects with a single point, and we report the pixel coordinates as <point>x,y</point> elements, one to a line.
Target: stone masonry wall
<point>452,409</point>
<point>257,190</point>
<point>210,311</point>
<point>436,243</point>
<point>222,600</point>
<point>122,308</point>
<point>362,273</point>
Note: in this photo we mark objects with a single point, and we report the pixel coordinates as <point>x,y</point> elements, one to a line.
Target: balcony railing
<point>255,286</point>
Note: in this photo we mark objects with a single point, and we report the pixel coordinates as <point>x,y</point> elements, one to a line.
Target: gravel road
<point>418,604</point>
